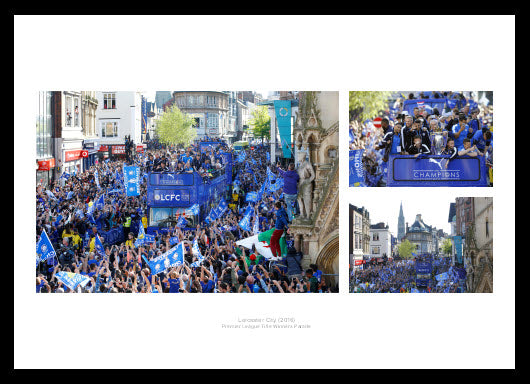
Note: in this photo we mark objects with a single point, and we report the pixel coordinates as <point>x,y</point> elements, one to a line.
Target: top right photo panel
<point>421,138</point>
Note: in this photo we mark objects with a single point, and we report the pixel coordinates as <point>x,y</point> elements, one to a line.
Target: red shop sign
<point>103,148</point>
<point>118,149</point>
<point>46,165</point>
<point>358,262</point>
<point>72,155</point>
<point>140,148</point>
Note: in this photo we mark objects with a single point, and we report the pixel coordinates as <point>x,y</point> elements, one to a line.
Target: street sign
<point>377,122</point>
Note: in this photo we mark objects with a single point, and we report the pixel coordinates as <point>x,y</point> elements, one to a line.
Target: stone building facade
<point>316,131</point>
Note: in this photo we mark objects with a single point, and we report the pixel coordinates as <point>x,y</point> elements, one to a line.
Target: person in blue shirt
<point>207,283</point>
<point>460,131</point>
<point>482,140</point>
<point>467,149</point>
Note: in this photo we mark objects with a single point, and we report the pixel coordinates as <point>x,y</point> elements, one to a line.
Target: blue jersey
<point>459,141</point>
<point>480,141</point>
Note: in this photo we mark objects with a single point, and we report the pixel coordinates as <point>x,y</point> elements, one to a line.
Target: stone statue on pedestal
<point>305,185</point>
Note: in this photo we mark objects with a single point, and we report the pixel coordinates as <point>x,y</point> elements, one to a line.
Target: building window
<point>109,101</point>
<point>375,250</point>
<point>76,112</point>
<point>375,237</point>
<point>68,111</point>
<point>487,228</point>
<point>109,129</point>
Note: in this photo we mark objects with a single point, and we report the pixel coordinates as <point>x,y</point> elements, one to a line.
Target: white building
<point>119,114</point>
<point>380,241</point>
<point>71,141</point>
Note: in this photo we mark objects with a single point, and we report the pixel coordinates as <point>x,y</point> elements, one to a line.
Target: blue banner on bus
<point>430,171</point>
<point>161,197</point>
<point>184,179</point>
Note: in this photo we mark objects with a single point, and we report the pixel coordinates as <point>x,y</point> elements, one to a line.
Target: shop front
<point>73,161</point>
<point>103,152</point>
<point>92,147</point>
<point>44,170</point>
<point>117,151</point>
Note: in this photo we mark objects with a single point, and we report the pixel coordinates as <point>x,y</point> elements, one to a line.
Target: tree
<point>260,123</point>
<point>175,127</point>
<point>405,249</point>
<point>368,104</point>
<point>447,247</point>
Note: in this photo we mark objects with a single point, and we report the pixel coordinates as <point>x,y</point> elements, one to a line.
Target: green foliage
<point>367,104</point>
<point>447,247</point>
<point>260,123</point>
<point>175,127</point>
<point>405,249</point>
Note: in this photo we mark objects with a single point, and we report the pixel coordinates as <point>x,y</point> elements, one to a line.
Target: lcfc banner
<point>356,168</point>
<point>131,180</point>
<point>283,117</point>
<point>430,171</point>
<point>168,198</point>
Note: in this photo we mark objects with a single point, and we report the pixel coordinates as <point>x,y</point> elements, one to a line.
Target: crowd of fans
<point>466,130</point>
<point>77,208</point>
<point>399,276</point>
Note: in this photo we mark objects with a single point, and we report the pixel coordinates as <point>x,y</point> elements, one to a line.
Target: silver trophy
<point>438,142</point>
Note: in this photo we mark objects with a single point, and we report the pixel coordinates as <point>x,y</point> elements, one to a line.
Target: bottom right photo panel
<point>414,243</point>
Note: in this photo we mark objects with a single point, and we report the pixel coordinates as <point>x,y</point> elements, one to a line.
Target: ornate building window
<point>109,101</point>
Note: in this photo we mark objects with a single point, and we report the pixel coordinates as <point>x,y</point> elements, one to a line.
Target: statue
<point>305,186</point>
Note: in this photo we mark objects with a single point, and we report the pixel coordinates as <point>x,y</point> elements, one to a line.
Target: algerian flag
<point>262,241</point>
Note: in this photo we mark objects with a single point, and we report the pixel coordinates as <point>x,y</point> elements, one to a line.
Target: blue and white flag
<point>255,228</point>
<point>44,247</point>
<point>98,245</point>
<point>242,156</point>
<point>245,221</point>
<point>193,210</point>
<point>72,280</point>
<point>182,222</point>
<point>132,180</point>
<point>70,195</point>
<point>100,203</point>
<point>218,212</point>
<point>96,177</point>
<point>173,240</point>
<point>197,252</point>
<point>252,197</point>
<point>50,194</point>
<point>268,157</point>
<point>172,258</point>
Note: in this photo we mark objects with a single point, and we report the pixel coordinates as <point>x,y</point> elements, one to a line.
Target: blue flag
<point>98,245</point>
<point>245,221</point>
<point>193,210</point>
<point>100,203</point>
<point>182,222</point>
<point>96,177</point>
<point>132,180</point>
<point>44,247</point>
<point>197,252</point>
<point>252,197</point>
<point>72,280</point>
<point>172,258</point>
<point>356,168</point>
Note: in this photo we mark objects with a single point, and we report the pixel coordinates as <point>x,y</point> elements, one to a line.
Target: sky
<point>434,210</point>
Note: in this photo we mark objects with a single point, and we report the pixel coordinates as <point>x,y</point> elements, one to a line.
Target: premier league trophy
<point>438,142</point>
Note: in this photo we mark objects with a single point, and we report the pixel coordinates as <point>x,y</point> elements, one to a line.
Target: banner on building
<point>282,110</point>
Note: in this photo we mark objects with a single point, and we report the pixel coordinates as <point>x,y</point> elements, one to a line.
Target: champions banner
<point>356,168</point>
<point>283,117</point>
<point>131,179</point>
<point>430,171</point>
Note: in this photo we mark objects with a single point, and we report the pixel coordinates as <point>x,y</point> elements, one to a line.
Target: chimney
<point>407,226</point>
<point>418,217</point>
